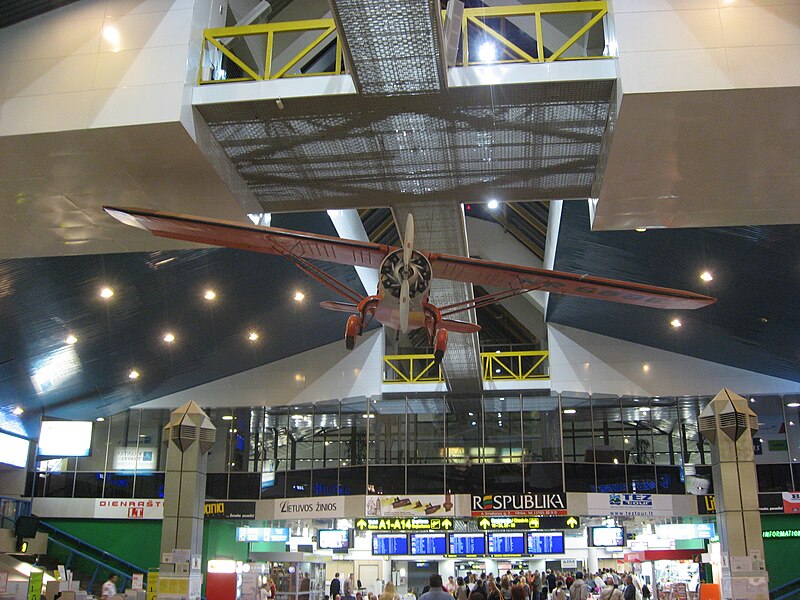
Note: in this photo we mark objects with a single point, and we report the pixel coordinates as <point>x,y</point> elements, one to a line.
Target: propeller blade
<point>405,305</point>
<point>408,242</point>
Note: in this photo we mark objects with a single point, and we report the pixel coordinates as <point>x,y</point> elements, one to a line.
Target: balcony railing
<point>526,365</point>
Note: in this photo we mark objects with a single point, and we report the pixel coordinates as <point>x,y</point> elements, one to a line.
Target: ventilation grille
<point>184,432</point>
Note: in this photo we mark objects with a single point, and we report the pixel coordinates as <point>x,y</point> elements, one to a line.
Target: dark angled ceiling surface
<point>42,300</point>
<point>14,11</point>
<point>754,326</point>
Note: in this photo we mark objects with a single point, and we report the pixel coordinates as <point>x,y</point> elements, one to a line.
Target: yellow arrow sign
<point>572,522</point>
<point>485,523</point>
<point>361,524</point>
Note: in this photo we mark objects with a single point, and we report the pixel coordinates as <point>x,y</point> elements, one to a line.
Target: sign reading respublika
<point>491,505</point>
<point>630,505</point>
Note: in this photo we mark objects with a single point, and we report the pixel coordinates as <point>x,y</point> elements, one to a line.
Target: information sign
<point>506,543</point>
<point>467,544</point>
<point>423,544</point>
<point>389,543</point>
<point>35,584</point>
<point>152,585</point>
<point>546,542</point>
<point>262,534</point>
<point>404,524</point>
<point>525,523</point>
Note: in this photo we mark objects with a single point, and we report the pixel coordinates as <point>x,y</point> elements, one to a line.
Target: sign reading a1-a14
<point>510,523</point>
<point>519,504</point>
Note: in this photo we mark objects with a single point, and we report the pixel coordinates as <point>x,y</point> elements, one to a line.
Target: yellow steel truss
<point>529,365</point>
<point>475,16</point>
<point>219,38</point>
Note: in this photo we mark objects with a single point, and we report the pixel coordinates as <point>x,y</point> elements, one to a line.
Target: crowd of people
<point>527,585</point>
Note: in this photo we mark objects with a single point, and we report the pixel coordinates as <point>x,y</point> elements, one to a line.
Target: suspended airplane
<point>405,274</point>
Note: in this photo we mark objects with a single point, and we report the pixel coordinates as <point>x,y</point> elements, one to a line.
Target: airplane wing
<point>517,277</point>
<point>270,240</point>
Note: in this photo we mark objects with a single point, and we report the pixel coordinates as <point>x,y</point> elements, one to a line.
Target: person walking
<point>336,587</point>
<point>109,587</point>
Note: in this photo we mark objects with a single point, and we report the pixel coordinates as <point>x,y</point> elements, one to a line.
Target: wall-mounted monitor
<point>13,450</point>
<point>463,544</point>
<point>65,438</point>
<point>607,537</point>
<point>389,543</point>
<point>334,539</point>
<point>545,542</point>
<point>428,544</point>
<point>506,543</point>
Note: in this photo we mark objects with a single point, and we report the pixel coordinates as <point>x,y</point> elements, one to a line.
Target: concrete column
<point>189,436</point>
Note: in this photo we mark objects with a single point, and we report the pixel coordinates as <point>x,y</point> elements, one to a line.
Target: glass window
<point>426,417</point>
<point>667,447</point>
<point>118,485</point>
<point>543,478</point>
<point>791,409</point>
<point>579,477</point>
<point>151,452</point>
<point>502,430</point>
<point>97,460</point>
<point>576,419</point>
<point>90,485</point>
<point>326,437</point>
<point>641,479</point>
<point>697,450</point>
<point>148,486</point>
<point>59,485</point>
<point>541,429</point>
<point>505,478</point>
<point>425,479</point>
<point>638,428</point>
<point>325,482</point>
<point>464,432</point>
<point>298,483</point>
<point>770,443</point>
<point>387,480</point>
<point>244,485</point>
<point>609,446</point>
<point>610,478</point>
<point>217,486</point>
<point>773,478</point>
<point>387,431</point>
<point>300,437</point>
<point>123,440</point>
<point>670,480</point>
<point>352,481</point>
<point>464,478</point>
<point>353,435</point>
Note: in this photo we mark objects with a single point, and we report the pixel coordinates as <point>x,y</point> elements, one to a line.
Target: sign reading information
<point>519,504</point>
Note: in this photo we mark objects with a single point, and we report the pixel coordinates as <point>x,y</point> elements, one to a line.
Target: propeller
<point>405,296</point>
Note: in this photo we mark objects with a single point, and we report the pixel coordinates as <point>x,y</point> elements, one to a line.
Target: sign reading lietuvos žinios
<point>491,505</point>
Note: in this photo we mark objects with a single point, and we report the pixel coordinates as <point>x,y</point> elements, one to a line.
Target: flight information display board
<point>546,542</point>
<point>389,543</point>
<point>423,544</point>
<point>463,544</point>
<point>506,543</point>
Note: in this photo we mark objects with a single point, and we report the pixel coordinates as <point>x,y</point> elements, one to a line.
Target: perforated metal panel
<point>392,47</point>
<point>520,142</point>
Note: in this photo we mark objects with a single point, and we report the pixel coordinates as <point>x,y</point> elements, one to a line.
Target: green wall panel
<point>781,554</point>
<point>219,541</point>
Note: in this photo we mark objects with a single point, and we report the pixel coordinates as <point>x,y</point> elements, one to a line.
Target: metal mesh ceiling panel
<point>392,47</point>
<point>440,227</point>
<point>520,142</point>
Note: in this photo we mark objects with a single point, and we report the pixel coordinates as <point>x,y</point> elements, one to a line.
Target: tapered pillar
<point>729,423</point>
<point>189,436</point>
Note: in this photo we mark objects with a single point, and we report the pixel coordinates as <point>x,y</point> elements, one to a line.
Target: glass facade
<point>433,443</point>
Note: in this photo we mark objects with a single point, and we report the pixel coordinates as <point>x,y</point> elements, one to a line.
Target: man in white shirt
<point>109,588</point>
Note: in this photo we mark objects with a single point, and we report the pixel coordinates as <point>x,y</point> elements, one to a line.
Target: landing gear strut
<point>351,330</point>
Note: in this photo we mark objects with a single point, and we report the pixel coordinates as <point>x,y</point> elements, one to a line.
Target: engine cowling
<point>418,274</point>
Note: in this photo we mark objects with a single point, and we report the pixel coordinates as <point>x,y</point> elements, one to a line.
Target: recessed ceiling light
<point>646,368</point>
<point>474,423</point>
<point>134,374</point>
<point>676,323</point>
<point>644,408</point>
<point>471,414</point>
<point>706,276</point>
<point>106,292</point>
<point>616,461</point>
<point>299,296</point>
<point>100,419</point>
<point>493,204</point>
<point>169,337</point>
<point>641,229</point>
<point>18,410</point>
<point>299,377</point>
<point>252,336</point>
<point>570,411</point>
<point>793,404</point>
<point>209,294</point>
<point>227,417</point>
<point>752,399</point>
<point>71,339</point>
<point>627,441</point>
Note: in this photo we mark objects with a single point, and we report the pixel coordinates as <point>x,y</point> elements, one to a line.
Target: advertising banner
<point>326,507</point>
<point>630,505</point>
<point>140,459</point>
<point>791,502</point>
<point>707,504</point>
<point>399,524</point>
<point>229,510</point>
<point>128,509</point>
<point>492,505</point>
<point>411,506</point>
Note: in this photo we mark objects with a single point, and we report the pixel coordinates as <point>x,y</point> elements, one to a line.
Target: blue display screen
<point>389,543</point>
<point>467,543</point>
<point>545,542</point>
<point>506,543</point>
<point>428,543</point>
